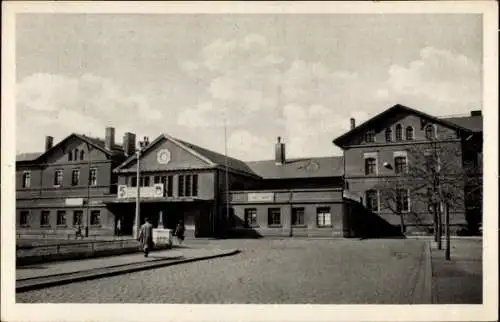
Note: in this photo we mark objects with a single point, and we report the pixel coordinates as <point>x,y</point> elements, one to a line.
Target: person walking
<point>179,232</point>
<point>146,237</point>
<point>118,228</point>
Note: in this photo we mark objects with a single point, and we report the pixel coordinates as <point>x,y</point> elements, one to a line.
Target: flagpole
<point>226,163</point>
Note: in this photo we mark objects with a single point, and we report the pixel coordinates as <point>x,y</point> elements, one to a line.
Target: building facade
<point>386,161</point>
<point>68,185</point>
<point>383,180</point>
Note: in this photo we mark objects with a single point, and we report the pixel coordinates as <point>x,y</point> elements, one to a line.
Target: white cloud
<point>85,104</point>
<point>246,146</point>
<point>450,80</point>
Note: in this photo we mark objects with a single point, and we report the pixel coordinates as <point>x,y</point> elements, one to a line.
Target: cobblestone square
<point>266,271</point>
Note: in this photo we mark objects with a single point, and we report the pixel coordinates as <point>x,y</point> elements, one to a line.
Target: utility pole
<point>447,230</point>
<point>87,224</point>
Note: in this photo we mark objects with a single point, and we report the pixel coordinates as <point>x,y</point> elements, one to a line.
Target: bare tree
<point>434,175</point>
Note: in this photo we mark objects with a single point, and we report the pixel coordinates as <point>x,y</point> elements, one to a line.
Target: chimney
<point>49,142</point>
<point>353,123</point>
<point>280,152</point>
<point>129,143</point>
<point>109,141</point>
<point>476,113</point>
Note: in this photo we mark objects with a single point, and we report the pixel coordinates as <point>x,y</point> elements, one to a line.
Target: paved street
<point>266,271</point>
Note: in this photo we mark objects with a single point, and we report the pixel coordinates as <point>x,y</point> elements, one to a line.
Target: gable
<point>405,116</point>
<point>180,158</point>
<point>74,144</point>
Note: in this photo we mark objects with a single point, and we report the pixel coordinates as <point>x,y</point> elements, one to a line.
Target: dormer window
<point>409,133</point>
<point>399,132</point>
<point>370,137</point>
<point>388,135</point>
<point>429,132</point>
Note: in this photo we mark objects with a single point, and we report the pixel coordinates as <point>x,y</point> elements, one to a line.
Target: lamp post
<point>142,144</point>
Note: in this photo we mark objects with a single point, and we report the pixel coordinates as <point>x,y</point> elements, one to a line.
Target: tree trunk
<point>436,227</point>
<point>402,221</point>
<point>440,228</point>
<point>447,230</point>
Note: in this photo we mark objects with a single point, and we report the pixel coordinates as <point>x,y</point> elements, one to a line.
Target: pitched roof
<point>473,123</point>
<point>219,159</point>
<point>211,157</point>
<point>299,168</point>
<point>28,156</point>
<point>341,140</point>
<point>98,142</point>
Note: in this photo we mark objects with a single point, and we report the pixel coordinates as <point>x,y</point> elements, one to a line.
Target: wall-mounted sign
<point>163,156</point>
<point>156,191</point>
<point>73,201</point>
<point>260,197</point>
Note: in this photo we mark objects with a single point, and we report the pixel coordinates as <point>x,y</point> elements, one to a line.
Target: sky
<point>297,76</point>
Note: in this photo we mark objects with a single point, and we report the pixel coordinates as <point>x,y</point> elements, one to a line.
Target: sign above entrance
<point>163,156</point>
<point>73,201</point>
<point>156,191</point>
<point>260,196</point>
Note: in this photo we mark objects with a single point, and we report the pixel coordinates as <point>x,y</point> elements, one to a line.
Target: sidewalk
<point>57,273</point>
<point>459,280</point>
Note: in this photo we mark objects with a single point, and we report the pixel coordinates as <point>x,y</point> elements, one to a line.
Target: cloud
<point>85,104</point>
<point>448,79</point>
<point>246,146</point>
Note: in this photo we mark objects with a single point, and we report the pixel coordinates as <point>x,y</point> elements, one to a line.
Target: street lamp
<point>142,145</point>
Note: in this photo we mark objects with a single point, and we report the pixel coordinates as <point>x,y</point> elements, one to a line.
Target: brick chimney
<point>476,113</point>
<point>109,141</point>
<point>49,142</point>
<point>129,143</point>
<point>353,123</point>
<point>280,152</point>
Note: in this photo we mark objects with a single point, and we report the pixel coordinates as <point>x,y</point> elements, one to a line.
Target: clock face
<point>163,156</point>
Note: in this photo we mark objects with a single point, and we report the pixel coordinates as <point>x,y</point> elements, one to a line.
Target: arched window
<point>388,135</point>
<point>82,155</point>
<point>76,154</point>
<point>409,133</point>
<point>399,132</point>
<point>70,156</point>
<point>429,132</point>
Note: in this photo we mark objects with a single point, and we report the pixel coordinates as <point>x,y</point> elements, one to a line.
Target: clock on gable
<point>163,156</point>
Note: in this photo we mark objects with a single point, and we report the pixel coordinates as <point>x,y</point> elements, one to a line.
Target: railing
<point>73,247</point>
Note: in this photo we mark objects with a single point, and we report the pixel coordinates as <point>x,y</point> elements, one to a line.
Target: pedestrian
<point>179,232</point>
<point>118,228</point>
<point>78,232</point>
<point>146,237</point>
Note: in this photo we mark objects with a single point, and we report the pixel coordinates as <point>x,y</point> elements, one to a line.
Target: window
<point>250,217</point>
<point>58,178</point>
<point>323,217</point>
<point>77,217</point>
<point>156,179</point>
<point>372,200</point>
<point>93,177</point>
<point>188,185</point>
<point>133,181</point>
<point>402,200</point>
<point>370,137</point>
<point>61,218</point>
<point>24,218</point>
<point>370,166</point>
<point>388,135</point>
<point>297,216</point>
<point>75,177</point>
<point>144,181</point>
<point>70,156</point>
<point>167,184</point>
<point>26,179</point>
<point>82,155</point>
<point>45,218</point>
<point>95,217</point>
<point>76,154</point>
<point>409,133</point>
<point>429,132</point>
<point>399,132</point>
<point>400,165</point>
<point>274,217</point>
<point>181,186</point>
